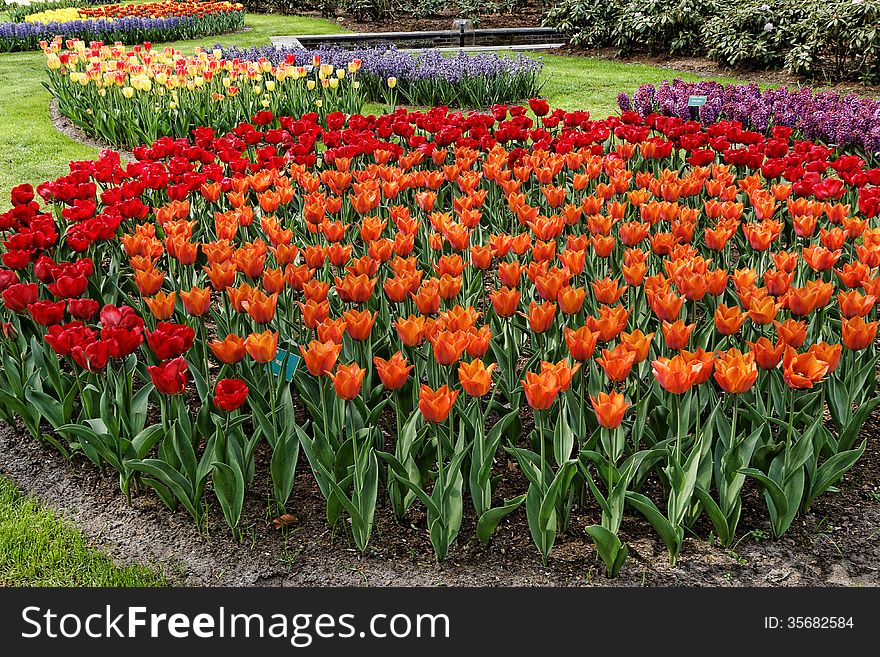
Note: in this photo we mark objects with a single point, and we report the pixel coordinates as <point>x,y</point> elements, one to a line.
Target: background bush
<point>671,26</point>
<point>815,38</point>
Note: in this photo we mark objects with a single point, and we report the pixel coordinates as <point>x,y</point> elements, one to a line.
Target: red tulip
<point>170,377</point>
<point>230,394</point>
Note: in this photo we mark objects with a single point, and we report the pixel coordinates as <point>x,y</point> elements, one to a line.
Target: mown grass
<point>37,549</point>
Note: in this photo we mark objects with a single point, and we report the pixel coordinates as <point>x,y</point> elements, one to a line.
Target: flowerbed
<point>127,97</point>
<point>154,21</point>
<point>19,11</point>
<point>640,312</point>
<point>846,121</point>
<point>429,78</point>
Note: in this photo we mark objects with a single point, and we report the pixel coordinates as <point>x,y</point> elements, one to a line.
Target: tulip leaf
<point>849,435</point>
<point>282,467</point>
<point>49,407</point>
<point>670,535</point>
<point>610,549</point>
<point>229,489</point>
<point>719,521</point>
<point>146,439</point>
<point>832,470</point>
<point>176,482</point>
<point>774,491</point>
<point>489,520</point>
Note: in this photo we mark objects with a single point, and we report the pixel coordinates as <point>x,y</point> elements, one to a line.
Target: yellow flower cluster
<point>57,16</point>
<point>139,68</point>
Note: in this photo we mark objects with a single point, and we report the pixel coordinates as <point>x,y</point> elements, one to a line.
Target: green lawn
<point>35,547</point>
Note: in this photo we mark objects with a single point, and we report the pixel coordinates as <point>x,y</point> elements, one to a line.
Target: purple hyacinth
<point>847,121</point>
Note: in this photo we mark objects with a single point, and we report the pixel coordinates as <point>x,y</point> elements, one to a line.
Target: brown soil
<point>835,544</point>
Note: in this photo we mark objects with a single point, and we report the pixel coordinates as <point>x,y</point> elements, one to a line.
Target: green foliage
<point>828,40</point>
<point>634,25</point>
<point>374,10</point>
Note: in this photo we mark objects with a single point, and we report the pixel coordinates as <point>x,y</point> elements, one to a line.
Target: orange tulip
<point>562,371</point>
<point>675,374</point>
<point>703,361</point>
<point>638,343</point>
<point>331,330</point>
<point>666,305</point>
<point>735,372</point>
<point>197,301</point>
<point>411,330</point>
<point>478,341</point>
<point>792,332</point>
<point>581,343</point>
<point>162,305</point>
<point>262,347</point>
<point>320,357</point>
<point>607,290</point>
<point>393,372</point>
<point>617,363</point>
<point>314,312</point>
<point>766,355</point>
<point>830,353</point>
<point>505,301</point>
<point>802,371</point>
<point>571,299</point>
<point>540,316</point>
<point>347,380</point>
<point>355,289</point>
<point>611,321</point>
<point>359,324</point>
<point>729,319</point>
<point>677,334</point>
<point>763,311</point>
<point>448,345</point>
<point>475,377</point>
<point>436,404</point>
<point>148,281</point>
<point>221,274</point>
<point>230,350</point>
<point>427,298</point>
<point>857,333</point>
<point>260,307</point>
<point>855,304</point>
<point>610,408</point>
<point>541,389</point>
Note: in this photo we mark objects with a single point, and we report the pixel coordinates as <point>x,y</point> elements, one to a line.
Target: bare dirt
<point>835,544</point>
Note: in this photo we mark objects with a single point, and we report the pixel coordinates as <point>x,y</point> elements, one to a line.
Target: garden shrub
<point>671,26</point>
<point>755,33</point>
<point>815,38</point>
